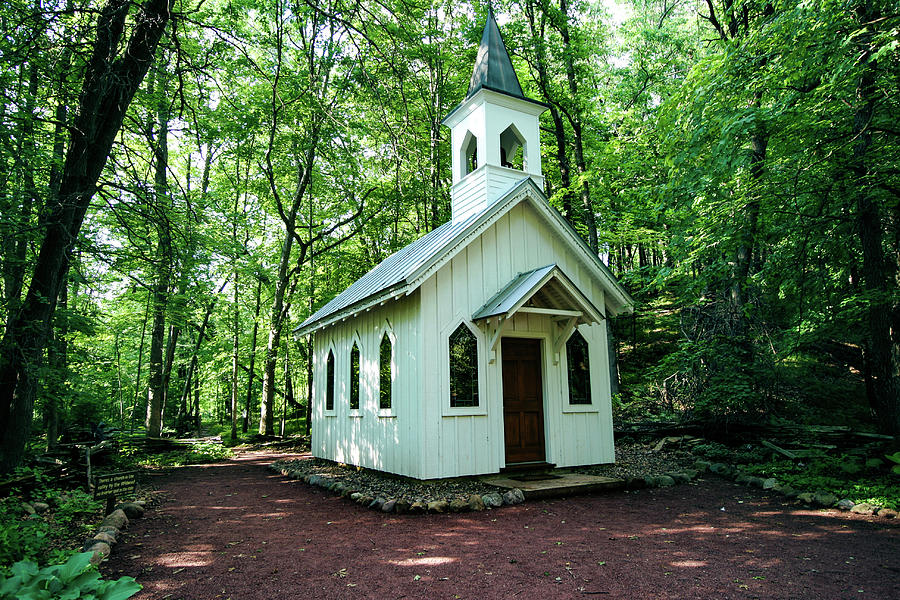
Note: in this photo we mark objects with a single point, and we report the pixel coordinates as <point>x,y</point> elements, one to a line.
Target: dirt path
<point>237,531</point>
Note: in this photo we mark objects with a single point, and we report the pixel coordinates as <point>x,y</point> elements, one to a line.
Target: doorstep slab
<point>556,485</point>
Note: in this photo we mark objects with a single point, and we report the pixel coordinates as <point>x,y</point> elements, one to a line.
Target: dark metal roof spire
<point>493,69</point>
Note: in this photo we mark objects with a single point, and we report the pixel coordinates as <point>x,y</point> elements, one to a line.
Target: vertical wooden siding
<point>367,437</point>
<point>455,445</point>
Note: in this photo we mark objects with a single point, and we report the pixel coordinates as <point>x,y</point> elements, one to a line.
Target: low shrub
<point>76,579</point>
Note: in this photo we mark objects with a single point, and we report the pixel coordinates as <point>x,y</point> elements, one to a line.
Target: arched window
<point>470,154</point>
<point>329,383</point>
<point>354,377</point>
<point>385,380</point>
<point>512,149</point>
<point>579,369</point>
<point>463,367</point>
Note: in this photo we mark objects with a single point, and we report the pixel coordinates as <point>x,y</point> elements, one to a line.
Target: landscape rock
<point>364,500</point>
<point>665,481</point>
<point>492,500</point>
<point>115,533</point>
<point>825,499</point>
<point>101,552</point>
<point>769,484</point>
<point>805,497</point>
<point>438,506</point>
<point>513,497</point>
<point>692,473</point>
<point>29,509</point>
<point>389,506</point>
<point>635,483</point>
<point>721,469</point>
<point>105,538</point>
<point>459,505</point>
<point>418,507</point>
<point>313,479</point>
<point>863,508</point>
<point>402,506</point>
<point>132,510</point>
<point>887,513</point>
<point>650,481</point>
<point>40,507</point>
<point>742,478</point>
<point>355,496</point>
<point>476,503</point>
<point>377,503</point>
<point>702,465</point>
<point>678,477</point>
<point>117,519</point>
<point>756,482</point>
<point>845,504</point>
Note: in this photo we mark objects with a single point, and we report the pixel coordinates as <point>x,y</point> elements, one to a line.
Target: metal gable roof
<point>525,286</point>
<point>403,272</point>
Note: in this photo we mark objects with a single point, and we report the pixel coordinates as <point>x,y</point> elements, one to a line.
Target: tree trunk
<point>245,426</point>
<point>110,83</point>
<point>878,273</point>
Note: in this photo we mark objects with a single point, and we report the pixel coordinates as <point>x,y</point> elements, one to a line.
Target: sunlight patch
<point>428,561</point>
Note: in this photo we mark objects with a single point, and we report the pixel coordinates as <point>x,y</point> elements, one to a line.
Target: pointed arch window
<point>469,154</point>
<point>329,381</point>
<point>579,369</point>
<point>463,368</point>
<point>354,377</point>
<point>512,149</point>
<point>385,377</point>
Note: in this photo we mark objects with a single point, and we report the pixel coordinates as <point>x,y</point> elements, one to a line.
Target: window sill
<point>580,408</point>
<point>355,414</point>
<point>386,413</point>
<point>464,411</point>
<point>331,413</point>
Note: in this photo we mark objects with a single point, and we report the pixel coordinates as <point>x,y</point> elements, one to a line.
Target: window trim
<point>594,406</point>
<point>387,412</point>
<point>463,411</point>
<point>358,411</point>
<point>330,412</point>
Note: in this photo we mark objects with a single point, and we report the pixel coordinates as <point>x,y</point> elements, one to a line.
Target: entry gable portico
<point>543,291</point>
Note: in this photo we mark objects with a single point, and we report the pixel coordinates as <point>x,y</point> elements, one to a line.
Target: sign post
<point>110,485</point>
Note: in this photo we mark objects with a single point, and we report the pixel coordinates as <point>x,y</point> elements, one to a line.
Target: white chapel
<point>481,346</point>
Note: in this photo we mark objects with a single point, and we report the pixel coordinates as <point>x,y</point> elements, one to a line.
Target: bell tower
<point>494,131</point>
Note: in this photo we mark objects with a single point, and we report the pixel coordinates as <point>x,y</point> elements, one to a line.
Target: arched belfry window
<point>579,369</point>
<point>512,149</point>
<point>329,381</point>
<point>463,367</point>
<point>385,378</point>
<point>469,154</point>
<point>354,377</point>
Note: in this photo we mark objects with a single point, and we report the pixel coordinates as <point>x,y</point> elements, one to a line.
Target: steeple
<point>495,133</point>
<point>493,69</point>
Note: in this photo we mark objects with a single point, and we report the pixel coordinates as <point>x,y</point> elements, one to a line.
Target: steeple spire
<point>493,69</point>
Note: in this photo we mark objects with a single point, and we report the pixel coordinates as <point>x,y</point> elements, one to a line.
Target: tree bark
<point>110,83</point>
<point>245,426</point>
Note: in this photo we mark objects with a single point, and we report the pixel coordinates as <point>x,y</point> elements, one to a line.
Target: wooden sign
<point>111,485</point>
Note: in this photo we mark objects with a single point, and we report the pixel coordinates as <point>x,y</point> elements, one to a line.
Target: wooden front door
<point>523,400</point>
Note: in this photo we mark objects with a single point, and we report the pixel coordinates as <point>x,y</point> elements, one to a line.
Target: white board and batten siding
<point>386,440</point>
<point>471,441</point>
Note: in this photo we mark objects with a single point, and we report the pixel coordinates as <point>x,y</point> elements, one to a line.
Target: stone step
<point>555,485</point>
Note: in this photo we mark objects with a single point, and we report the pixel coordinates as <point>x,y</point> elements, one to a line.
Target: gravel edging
<point>635,466</point>
<point>817,499</point>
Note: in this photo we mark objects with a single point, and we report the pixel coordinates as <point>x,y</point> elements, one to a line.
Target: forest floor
<point>235,530</point>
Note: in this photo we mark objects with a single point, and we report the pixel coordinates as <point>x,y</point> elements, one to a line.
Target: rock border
<point>819,498</point>
<point>456,504</point>
<point>111,528</point>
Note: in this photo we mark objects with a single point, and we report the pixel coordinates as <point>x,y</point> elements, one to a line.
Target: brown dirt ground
<point>234,530</point>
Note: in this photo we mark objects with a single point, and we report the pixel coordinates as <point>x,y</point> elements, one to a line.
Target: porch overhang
<point>544,291</point>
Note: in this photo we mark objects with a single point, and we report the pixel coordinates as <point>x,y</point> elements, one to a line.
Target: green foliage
<point>21,536</point>
<point>716,452</point>
<point>74,580</point>
<point>199,453</point>
<point>858,483</point>
<point>894,458</point>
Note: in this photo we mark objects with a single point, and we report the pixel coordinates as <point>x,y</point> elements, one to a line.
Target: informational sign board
<point>110,485</point>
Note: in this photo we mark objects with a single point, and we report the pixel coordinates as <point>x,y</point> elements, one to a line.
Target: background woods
<point>183,182</point>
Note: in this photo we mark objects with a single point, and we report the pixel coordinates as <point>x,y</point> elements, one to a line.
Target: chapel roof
<point>401,273</point>
<point>493,68</point>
